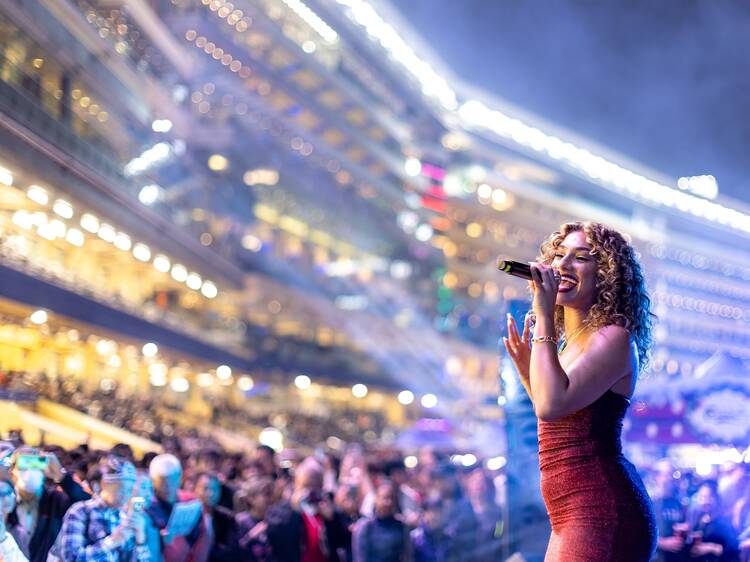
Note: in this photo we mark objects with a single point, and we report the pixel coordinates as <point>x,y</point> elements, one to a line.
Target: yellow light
<point>38,194</point>
<point>180,384</point>
<point>23,219</point>
<point>272,437</point>
<point>161,263</point>
<point>63,208</point>
<point>107,233</point>
<point>218,163</point>
<point>450,280</point>
<point>475,290</point>
<point>179,272</point>
<point>449,249</point>
<point>302,382</point>
<point>209,290</point>
<point>39,317</point>
<point>266,213</point>
<point>122,242</point>
<point>6,177</point>
<point>142,252</point>
<point>245,383</point>
<point>150,349</point>
<point>194,281</point>
<point>75,237</point>
<point>252,243</point>
<point>406,397</point>
<point>359,391</point>
<point>474,230</point>
<point>294,226</point>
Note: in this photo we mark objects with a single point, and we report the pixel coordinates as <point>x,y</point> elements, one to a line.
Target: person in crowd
<point>13,539</point>
<point>481,493</point>
<point>346,503</point>
<point>733,482</point>
<point>257,497</point>
<point>459,521</point>
<point>166,474</point>
<point>304,529</point>
<point>429,541</point>
<point>105,528</point>
<point>669,513</point>
<point>408,498</point>
<point>382,538</point>
<point>708,534</point>
<point>40,508</point>
<point>218,520</point>
<point>741,522</point>
<point>265,457</point>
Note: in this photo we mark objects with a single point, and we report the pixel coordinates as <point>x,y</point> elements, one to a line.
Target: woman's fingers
<point>526,329</point>
<point>536,275</point>
<point>513,336</point>
<point>508,347</point>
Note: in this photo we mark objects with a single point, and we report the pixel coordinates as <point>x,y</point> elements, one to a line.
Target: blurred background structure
<point>278,221</point>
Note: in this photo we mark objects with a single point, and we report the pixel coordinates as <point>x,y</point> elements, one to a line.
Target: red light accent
<point>434,204</point>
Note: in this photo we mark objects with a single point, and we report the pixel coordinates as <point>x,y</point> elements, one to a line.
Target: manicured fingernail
<point>508,316</point>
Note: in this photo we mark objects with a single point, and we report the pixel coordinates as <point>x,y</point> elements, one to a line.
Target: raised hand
<point>518,347</point>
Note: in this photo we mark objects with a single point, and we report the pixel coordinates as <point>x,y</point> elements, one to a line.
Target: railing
<point>25,107</point>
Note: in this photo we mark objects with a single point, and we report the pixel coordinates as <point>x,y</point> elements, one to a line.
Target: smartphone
<point>32,462</point>
<point>137,504</point>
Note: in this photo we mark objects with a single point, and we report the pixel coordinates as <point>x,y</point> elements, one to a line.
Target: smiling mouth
<point>567,283</point>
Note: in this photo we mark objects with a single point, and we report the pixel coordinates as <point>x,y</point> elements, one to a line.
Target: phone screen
<point>31,462</point>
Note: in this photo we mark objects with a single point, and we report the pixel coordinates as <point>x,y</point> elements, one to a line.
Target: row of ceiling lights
<point>56,228</point>
<point>473,114</point>
<point>405,397</point>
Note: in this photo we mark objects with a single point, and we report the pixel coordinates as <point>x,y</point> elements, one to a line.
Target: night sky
<point>666,82</point>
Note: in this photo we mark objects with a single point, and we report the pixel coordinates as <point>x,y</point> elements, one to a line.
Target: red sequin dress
<point>597,504</point>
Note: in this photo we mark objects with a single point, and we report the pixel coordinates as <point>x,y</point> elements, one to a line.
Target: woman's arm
<point>608,357</point>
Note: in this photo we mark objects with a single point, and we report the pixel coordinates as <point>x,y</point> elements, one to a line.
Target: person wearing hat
<point>106,528</point>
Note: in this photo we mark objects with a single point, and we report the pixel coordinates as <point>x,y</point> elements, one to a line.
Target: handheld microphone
<point>515,268</point>
<point>519,269</point>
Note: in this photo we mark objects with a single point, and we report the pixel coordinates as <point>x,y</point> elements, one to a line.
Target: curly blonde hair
<point>621,295</point>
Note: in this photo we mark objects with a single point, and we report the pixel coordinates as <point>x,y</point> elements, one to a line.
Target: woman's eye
<point>559,256</point>
<point>581,258</point>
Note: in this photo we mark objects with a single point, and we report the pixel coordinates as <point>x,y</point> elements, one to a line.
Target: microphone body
<point>515,268</point>
<point>519,269</point>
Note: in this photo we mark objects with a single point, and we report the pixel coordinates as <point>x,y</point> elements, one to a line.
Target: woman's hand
<point>544,283</point>
<point>517,346</point>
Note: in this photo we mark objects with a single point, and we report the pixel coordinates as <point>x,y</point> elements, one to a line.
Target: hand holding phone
<point>30,461</point>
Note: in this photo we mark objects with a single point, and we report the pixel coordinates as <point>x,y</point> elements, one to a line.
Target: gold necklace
<point>576,333</point>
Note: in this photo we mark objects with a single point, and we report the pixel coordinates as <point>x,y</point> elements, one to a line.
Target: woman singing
<point>589,294</point>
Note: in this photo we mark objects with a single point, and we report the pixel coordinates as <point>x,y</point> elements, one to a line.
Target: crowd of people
<point>705,519</point>
<point>147,415</point>
<point>84,504</point>
<point>355,503</point>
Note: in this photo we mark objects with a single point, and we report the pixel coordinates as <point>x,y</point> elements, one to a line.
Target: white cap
<point>163,465</point>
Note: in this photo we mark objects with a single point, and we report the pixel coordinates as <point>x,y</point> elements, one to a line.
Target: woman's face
<point>476,484</point>
<point>577,267</point>
<point>262,499</point>
<point>7,498</point>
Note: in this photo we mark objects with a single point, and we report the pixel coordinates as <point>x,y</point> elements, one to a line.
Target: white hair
<point>163,465</point>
